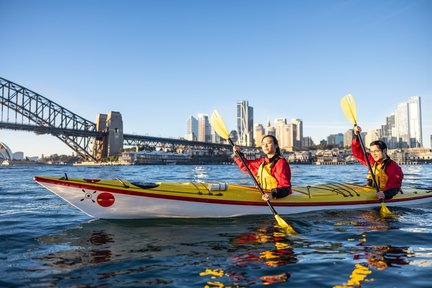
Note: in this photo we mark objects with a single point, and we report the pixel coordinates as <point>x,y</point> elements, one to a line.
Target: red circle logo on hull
<point>105,199</point>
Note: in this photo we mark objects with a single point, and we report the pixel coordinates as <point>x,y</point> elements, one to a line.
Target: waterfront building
<point>372,135</point>
<point>291,133</point>
<point>259,134</point>
<point>300,157</point>
<point>270,129</point>
<point>347,138</point>
<point>402,124</point>
<point>298,133</point>
<point>18,155</point>
<point>418,155</point>
<point>415,122</point>
<point>336,139</point>
<point>403,128</point>
<point>307,142</point>
<point>204,128</point>
<point>154,158</point>
<point>191,129</point>
<point>411,156</point>
<point>329,157</point>
<point>245,127</point>
<point>281,132</point>
<point>217,139</point>
<point>388,132</point>
<point>288,134</point>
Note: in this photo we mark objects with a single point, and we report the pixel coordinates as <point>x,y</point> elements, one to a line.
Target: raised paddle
<point>350,110</point>
<point>218,125</point>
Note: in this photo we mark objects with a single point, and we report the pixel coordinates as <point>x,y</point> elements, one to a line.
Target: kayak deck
<point>123,199</point>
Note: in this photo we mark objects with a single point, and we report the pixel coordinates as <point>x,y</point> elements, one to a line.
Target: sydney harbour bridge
<point>23,109</point>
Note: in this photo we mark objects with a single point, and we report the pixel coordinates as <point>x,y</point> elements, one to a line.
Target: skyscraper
<point>270,129</point>
<point>192,129</point>
<point>299,132</point>
<point>281,129</point>
<point>245,127</point>
<point>403,128</point>
<point>348,136</point>
<point>204,129</point>
<point>415,122</point>
<point>259,133</point>
<point>402,125</point>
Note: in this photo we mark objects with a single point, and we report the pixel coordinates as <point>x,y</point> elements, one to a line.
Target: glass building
<point>245,127</point>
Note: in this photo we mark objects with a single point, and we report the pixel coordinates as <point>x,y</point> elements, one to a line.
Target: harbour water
<point>47,243</point>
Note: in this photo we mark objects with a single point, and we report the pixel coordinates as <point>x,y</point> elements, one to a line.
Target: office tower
<point>245,127</point>
<point>348,136</point>
<point>388,132</point>
<point>307,142</point>
<point>371,135</point>
<point>281,132</point>
<point>259,134</point>
<point>408,125</point>
<point>336,139</point>
<point>270,129</point>
<point>204,129</point>
<point>192,129</point>
<point>415,122</point>
<point>402,125</point>
<point>298,132</point>
<point>292,142</point>
<point>287,134</point>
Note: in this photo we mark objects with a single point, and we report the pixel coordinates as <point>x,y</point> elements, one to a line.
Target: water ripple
<point>47,243</point>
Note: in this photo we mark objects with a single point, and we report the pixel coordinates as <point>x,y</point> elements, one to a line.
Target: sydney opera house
<point>6,155</point>
<point>5,152</point>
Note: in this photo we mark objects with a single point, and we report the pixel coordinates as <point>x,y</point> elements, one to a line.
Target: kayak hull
<point>118,199</point>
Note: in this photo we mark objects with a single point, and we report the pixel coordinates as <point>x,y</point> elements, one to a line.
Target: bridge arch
<point>23,109</point>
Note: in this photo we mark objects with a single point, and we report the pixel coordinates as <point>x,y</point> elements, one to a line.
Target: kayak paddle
<point>218,125</point>
<point>350,110</point>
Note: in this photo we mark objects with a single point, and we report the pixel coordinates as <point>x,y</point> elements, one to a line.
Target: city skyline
<point>204,132</point>
<point>403,130</point>
<point>152,61</point>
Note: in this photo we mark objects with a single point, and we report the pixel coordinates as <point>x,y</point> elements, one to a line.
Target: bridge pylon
<point>111,144</point>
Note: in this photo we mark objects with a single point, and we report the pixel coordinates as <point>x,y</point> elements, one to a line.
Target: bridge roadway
<point>128,139</point>
<point>19,106</point>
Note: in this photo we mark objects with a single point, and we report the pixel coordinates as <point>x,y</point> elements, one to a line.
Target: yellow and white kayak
<point>121,199</point>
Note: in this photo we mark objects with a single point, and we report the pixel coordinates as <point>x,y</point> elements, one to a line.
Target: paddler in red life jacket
<point>388,174</point>
<point>272,172</point>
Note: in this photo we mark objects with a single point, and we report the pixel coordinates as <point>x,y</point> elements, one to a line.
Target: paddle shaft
<point>253,177</point>
<point>367,161</point>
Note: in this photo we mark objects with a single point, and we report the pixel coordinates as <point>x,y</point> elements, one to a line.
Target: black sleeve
<point>280,192</point>
<point>391,192</point>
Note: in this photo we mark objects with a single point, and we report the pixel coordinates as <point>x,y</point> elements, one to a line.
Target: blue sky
<point>158,62</point>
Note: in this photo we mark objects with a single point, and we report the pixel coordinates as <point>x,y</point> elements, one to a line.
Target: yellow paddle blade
<point>349,108</point>
<point>385,212</point>
<point>218,125</point>
<point>289,230</point>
